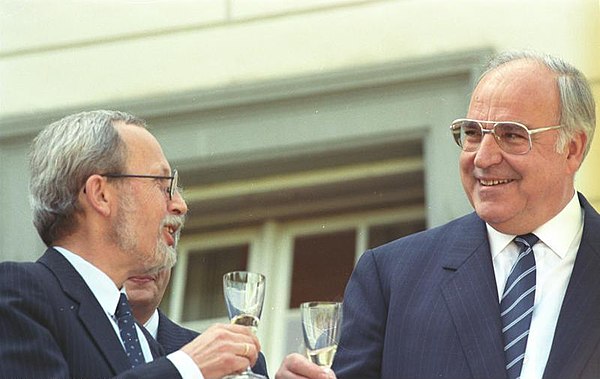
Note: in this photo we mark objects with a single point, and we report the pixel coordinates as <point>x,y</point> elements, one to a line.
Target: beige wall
<point>588,180</point>
<point>71,54</point>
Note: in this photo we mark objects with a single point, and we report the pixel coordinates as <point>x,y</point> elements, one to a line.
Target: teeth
<point>493,182</point>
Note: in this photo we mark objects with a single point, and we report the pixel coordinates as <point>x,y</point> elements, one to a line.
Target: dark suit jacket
<point>52,326</point>
<point>172,337</point>
<point>426,306</point>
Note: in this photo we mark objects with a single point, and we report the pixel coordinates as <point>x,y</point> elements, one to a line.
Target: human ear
<point>96,194</point>
<point>575,151</point>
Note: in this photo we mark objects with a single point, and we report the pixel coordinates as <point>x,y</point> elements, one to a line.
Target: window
<point>203,291</point>
<point>322,264</point>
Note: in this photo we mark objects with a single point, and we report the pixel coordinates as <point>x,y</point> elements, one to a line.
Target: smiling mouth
<point>489,183</point>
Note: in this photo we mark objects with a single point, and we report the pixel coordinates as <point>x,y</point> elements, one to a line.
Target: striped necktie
<point>128,332</point>
<point>516,306</point>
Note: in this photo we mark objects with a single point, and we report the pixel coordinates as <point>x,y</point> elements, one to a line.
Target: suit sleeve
<point>363,326</point>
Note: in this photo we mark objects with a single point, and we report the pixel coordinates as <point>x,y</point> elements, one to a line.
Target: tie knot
<point>123,308</point>
<point>526,240</point>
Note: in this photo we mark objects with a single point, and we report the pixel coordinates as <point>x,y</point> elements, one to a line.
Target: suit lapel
<point>472,298</point>
<point>577,333</point>
<point>91,314</point>
<point>155,348</point>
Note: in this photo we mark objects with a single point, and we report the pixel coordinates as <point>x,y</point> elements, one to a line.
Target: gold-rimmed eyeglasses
<point>512,137</point>
<point>174,179</point>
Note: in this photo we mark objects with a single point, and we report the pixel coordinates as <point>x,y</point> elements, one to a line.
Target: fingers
<point>242,330</point>
<point>223,349</point>
<point>296,366</point>
<point>248,351</point>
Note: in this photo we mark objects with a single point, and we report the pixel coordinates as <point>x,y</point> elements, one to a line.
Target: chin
<point>491,214</point>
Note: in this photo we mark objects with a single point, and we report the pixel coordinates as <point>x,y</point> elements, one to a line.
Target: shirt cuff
<point>185,365</point>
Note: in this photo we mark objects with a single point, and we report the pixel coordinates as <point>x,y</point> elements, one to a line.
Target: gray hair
<point>62,156</point>
<point>578,109</point>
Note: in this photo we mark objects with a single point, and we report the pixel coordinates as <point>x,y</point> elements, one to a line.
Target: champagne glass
<point>321,327</point>
<point>244,296</point>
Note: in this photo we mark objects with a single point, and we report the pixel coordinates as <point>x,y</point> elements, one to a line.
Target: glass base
<point>245,375</point>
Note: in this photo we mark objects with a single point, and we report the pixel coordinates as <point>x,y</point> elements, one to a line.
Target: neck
<point>108,259</point>
<point>142,314</point>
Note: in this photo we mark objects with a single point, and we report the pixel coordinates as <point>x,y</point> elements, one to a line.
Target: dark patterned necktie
<point>516,306</point>
<point>128,332</point>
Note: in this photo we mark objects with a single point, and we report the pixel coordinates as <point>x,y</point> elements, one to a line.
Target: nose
<point>178,205</point>
<point>489,152</point>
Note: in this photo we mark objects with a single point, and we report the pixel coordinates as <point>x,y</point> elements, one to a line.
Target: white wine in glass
<point>321,327</point>
<point>244,297</point>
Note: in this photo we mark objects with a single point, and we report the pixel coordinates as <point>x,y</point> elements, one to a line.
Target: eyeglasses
<point>174,179</point>
<point>512,137</point>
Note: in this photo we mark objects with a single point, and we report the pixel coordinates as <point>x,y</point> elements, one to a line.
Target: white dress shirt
<point>554,256</point>
<point>152,324</point>
<point>107,294</point>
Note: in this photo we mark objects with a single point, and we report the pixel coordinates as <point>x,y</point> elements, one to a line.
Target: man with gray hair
<point>106,203</point>
<point>511,290</point>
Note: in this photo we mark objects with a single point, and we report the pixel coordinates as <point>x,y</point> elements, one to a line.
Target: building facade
<point>303,133</point>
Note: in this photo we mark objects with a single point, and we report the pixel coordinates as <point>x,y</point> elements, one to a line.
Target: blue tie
<point>128,332</point>
<point>516,306</point>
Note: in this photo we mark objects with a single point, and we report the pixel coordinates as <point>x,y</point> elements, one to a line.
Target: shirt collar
<point>103,288</point>
<point>152,324</point>
<point>557,233</point>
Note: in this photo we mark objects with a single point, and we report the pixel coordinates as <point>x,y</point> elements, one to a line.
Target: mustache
<point>174,220</point>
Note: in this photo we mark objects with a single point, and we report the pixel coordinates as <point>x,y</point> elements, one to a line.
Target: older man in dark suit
<point>105,202</point>
<point>512,290</point>
<point>436,304</point>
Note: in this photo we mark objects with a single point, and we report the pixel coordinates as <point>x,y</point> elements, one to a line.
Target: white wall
<point>69,54</point>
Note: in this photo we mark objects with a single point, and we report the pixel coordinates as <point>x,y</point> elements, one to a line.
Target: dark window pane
<point>322,265</point>
<point>204,284</point>
<point>381,234</point>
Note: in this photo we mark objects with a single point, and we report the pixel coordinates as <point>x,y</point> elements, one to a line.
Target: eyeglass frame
<point>172,185</point>
<point>456,132</point>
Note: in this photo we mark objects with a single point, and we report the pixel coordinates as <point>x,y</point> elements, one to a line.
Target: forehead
<point>144,153</point>
<point>520,90</point>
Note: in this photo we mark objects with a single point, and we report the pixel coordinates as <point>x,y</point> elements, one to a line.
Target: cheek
<point>466,161</point>
<point>466,171</point>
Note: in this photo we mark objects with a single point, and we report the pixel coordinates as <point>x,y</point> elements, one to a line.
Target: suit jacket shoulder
<point>426,306</point>
<point>51,326</point>
<point>419,306</point>
<point>172,336</point>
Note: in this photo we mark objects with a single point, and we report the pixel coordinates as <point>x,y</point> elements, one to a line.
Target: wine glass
<point>244,296</point>
<point>321,327</point>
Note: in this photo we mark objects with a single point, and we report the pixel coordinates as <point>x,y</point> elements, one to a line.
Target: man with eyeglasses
<point>513,289</point>
<point>105,202</point>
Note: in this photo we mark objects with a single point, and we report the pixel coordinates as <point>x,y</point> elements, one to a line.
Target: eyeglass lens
<point>511,137</point>
<point>174,183</point>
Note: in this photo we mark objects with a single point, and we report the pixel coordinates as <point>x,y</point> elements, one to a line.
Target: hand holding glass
<point>244,296</point>
<point>321,327</point>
